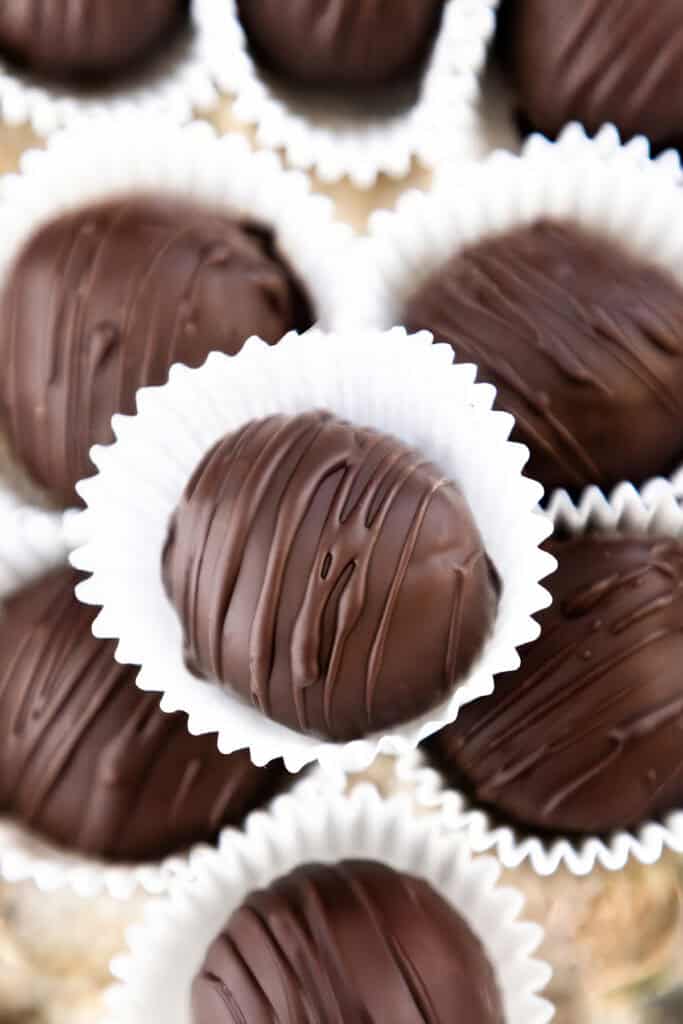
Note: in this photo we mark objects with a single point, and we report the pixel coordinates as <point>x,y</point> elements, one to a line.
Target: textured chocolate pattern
<point>341,42</point>
<point>91,762</point>
<point>596,61</point>
<point>87,38</point>
<point>353,942</point>
<point>103,300</point>
<point>299,560</point>
<point>581,340</point>
<point>588,735</point>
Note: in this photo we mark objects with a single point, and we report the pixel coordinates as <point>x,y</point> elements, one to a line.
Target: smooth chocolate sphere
<point>583,341</point>
<point>89,39</point>
<point>355,941</point>
<point>103,300</point>
<point>88,760</point>
<point>587,736</point>
<point>342,43</point>
<point>329,574</point>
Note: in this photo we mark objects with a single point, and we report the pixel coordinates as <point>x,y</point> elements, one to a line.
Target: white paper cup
<point>112,156</point>
<point>442,121</point>
<point>167,949</point>
<point>402,385</point>
<point>626,511</point>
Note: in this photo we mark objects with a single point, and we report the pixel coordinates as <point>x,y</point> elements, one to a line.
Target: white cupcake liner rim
<point>167,949</point>
<point>402,385</point>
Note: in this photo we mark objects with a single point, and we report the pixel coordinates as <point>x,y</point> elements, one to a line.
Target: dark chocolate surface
<point>598,61</point>
<point>87,40</point>
<point>341,43</point>
<point>583,342</point>
<point>103,300</point>
<point>329,574</point>
<point>587,737</point>
<point>347,943</point>
<point>87,759</point>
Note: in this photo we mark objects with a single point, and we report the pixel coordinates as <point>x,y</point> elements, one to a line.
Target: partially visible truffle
<point>348,43</point>
<point>90,39</point>
<point>598,62</point>
<point>583,341</point>
<point>87,759</point>
<point>104,299</point>
<point>587,736</point>
<point>329,574</point>
<point>356,941</point>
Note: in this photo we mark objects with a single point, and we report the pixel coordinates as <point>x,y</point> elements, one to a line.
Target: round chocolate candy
<point>103,300</point>
<point>87,759</point>
<point>329,574</point>
<point>583,341</point>
<point>355,941</point>
<point>598,61</point>
<point>587,736</point>
<point>86,40</point>
<point>348,43</point>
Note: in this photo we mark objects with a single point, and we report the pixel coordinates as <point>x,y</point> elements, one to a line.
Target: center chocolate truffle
<point>352,942</point>
<point>587,736</point>
<point>330,574</point>
<point>341,43</point>
<point>583,342</point>
<point>88,39</point>
<point>103,300</point>
<point>90,761</point>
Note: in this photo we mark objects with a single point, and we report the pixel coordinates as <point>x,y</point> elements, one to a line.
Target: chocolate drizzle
<point>298,559</point>
<point>598,61</point>
<point>103,300</point>
<point>581,341</point>
<point>90,761</point>
<point>351,942</point>
<point>588,735</point>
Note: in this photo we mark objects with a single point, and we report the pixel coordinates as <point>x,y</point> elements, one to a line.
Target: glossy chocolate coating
<point>598,61</point>
<point>583,342</point>
<point>329,574</point>
<point>89,39</point>
<point>350,942</point>
<point>103,300</point>
<point>587,736</point>
<point>87,759</point>
<point>342,43</point>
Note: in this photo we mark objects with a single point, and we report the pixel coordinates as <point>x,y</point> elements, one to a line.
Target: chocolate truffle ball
<point>103,300</point>
<point>341,43</point>
<point>355,941</point>
<point>587,736</point>
<point>583,341</point>
<point>329,574</point>
<point>89,39</point>
<point>598,61</point>
<point>89,761</point>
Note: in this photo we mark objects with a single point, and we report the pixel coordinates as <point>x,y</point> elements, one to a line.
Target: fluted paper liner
<point>402,385</point>
<point>168,948</point>
<point>625,512</point>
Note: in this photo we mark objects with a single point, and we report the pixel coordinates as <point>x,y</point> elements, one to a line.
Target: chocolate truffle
<point>587,736</point>
<point>598,61</point>
<point>583,342</point>
<point>104,299</point>
<point>355,941</point>
<point>329,574</point>
<point>348,43</point>
<point>90,39</point>
<point>89,761</point>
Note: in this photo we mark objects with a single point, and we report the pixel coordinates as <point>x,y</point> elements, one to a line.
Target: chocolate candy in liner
<point>329,574</point>
<point>89,761</point>
<point>586,737</point>
<point>346,942</point>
